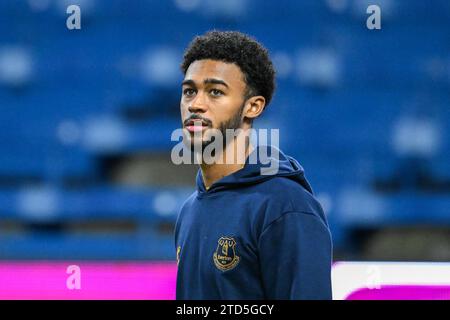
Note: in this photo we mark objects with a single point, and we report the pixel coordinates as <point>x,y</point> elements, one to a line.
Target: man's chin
<point>198,141</point>
<point>199,138</point>
<point>198,146</point>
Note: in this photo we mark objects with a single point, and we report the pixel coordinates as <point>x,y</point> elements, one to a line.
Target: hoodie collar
<point>261,158</point>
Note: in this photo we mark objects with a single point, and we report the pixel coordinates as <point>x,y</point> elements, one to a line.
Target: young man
<point>242,234</point>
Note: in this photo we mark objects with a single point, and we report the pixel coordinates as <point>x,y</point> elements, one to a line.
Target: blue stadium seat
<point>340,96</point>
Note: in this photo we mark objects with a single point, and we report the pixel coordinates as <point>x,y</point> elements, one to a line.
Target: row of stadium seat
<point>358,108</point>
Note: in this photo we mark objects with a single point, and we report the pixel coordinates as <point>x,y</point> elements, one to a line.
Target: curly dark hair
<point>235,47</point>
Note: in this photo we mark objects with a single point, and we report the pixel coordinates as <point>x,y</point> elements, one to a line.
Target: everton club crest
<point>225,257</point>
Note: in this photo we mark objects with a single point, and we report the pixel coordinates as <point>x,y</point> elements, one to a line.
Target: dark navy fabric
<point>254,236</point>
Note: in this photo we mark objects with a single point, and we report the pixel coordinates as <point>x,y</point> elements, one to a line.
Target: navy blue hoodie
<point>253,236</point>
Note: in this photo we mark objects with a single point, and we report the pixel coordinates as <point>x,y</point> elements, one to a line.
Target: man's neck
<point>216,171</point>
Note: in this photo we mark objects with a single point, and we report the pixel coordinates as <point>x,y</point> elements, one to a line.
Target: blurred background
<point>86,117</point>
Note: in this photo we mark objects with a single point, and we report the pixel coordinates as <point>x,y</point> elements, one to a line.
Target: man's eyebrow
<point>215,81</point>
<point>188,82</point>
<point>191,82</point>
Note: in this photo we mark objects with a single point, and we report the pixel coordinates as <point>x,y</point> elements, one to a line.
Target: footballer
<point>243,234</point>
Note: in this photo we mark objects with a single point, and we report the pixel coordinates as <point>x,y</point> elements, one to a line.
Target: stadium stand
<point>365,112</point>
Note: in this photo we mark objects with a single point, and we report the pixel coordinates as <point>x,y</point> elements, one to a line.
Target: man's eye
<point>216,92</point>
<point>188,92</point>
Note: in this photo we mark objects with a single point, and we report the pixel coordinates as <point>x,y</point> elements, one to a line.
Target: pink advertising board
<point>87,280</point>
<point>83,280</point>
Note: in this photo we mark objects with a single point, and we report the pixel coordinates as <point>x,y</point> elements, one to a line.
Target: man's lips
<point>196,125</point>
<point>195,128</point>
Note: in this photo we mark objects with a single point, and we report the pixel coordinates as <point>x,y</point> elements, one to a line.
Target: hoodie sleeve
<point>295,257</point>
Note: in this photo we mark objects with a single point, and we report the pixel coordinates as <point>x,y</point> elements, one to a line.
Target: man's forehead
<point>200,70</point>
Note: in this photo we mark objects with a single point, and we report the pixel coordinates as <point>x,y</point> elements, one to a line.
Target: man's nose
<point>198,104</point>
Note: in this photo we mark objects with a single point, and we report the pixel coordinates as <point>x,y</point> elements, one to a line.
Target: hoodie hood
<point>264,163</point>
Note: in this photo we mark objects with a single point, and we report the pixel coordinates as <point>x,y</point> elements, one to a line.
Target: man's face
<point>212,98</point>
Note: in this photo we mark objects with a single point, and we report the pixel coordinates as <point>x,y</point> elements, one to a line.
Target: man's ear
<point>254,107</point>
